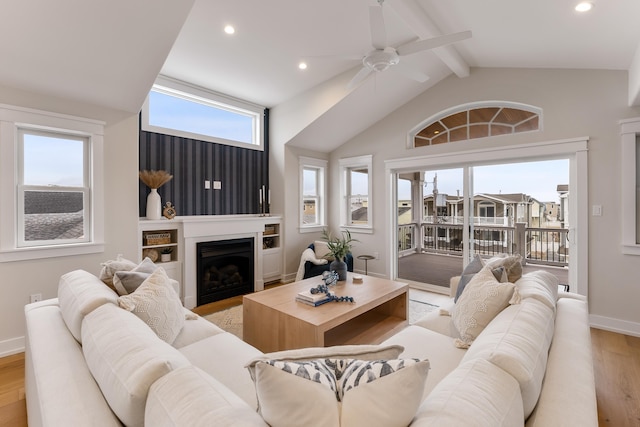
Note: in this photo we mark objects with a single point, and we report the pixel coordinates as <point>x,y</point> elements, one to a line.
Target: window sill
<point>355,230</point>
<point>312,229</point>
<point>24,254</point>
<point>630,249</point>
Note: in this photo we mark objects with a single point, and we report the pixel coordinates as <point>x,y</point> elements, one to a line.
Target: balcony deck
<point>436,269</point>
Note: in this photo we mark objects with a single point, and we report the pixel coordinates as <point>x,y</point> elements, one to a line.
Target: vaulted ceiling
<point>109,53</point>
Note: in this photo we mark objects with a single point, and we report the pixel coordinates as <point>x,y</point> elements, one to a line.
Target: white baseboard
<point>11,346</point>
<point>615,325</point>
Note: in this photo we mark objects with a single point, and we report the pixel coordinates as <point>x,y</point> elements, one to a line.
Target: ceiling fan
<point>383,56</point>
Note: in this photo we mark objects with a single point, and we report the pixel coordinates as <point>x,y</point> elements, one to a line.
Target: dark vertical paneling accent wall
<point>241,171</point>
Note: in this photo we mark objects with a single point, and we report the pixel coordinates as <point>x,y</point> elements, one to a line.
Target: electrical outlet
<point>376,255</point>
<point>36,298</point>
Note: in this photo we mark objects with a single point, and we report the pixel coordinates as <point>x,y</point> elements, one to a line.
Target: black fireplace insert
<point>225,269</point>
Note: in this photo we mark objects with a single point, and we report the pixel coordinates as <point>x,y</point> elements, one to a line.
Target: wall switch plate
<point>217,185</point>
<point>596,210</point>
<point>207,184</point>
<point>376,255</point>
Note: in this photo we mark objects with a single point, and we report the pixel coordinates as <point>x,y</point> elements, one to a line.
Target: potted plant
<point>339,247</point>
<point>165,254</point>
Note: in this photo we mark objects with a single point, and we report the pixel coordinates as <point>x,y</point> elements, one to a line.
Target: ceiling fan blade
<point>410,72</point>
<point>359,78</point>
<point>378,32</point>
<point>420,45</point>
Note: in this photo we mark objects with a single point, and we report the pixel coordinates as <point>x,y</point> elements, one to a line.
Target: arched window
<point>478,120</point>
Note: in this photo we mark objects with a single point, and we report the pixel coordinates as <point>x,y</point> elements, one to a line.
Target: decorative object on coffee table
<point>154,179</point>
<point>339,247</point>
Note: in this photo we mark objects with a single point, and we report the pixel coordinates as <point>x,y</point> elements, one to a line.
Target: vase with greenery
<point>339,247</point>
<point>154,180</point>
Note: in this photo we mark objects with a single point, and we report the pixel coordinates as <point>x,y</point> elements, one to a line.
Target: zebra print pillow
<point>373,393</point>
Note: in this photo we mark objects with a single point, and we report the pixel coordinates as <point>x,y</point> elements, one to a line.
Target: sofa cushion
<point>224,356</point>
<point>194,330</point>
<point>127,281</point>
<point>347,392</point>
<point>59,386</point>
<point>79,293</point>
<point>125,357</point>
<point>484,297</point>
<point>419,342</point>
<point>476,394</point>
<point>540,285</point>
<point>158,305</point>
<point>570,361</point>
<point>518,341</point>
<point>190,397</point>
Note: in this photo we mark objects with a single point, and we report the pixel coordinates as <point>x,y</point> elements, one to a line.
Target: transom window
<point>179,109</point>
<point>476,121</point>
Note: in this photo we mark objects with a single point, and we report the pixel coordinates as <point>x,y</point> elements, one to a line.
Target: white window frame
<point>12,121</point>
<point>320,166</point>
<point>346,166</point>
<point>206,97</point>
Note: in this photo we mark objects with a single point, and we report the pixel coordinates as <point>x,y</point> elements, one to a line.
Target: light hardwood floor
<point>616,361</point>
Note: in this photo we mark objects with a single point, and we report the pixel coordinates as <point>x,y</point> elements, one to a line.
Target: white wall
<point>21,279</point>
<point>575,103</point>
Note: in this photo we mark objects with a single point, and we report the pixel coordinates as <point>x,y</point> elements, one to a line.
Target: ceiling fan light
<point>380,60</point>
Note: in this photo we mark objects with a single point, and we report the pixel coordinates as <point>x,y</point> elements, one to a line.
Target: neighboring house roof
<point>359,214</point>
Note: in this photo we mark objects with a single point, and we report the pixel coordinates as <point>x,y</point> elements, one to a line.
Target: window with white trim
<point>179,109</point>
<point>53,188</point>
<point>312,193</point>
<point>51,185</point>
<point>356,192</point>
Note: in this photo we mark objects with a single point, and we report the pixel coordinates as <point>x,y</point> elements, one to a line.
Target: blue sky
<point>537,179</point>
<point>176,113</point>
<point>53,161</point>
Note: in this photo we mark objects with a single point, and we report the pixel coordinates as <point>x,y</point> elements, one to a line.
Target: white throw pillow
<point>483,298</point>
<point>334,392</point>
<point>158,305</point>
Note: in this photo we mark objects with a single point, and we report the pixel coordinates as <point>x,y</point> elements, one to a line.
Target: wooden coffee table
<point>273,320</point>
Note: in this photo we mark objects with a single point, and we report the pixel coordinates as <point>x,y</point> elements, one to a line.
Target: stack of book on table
<point>306,297</point>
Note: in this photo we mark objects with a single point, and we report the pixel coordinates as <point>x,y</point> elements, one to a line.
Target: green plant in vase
<point>339,247</point>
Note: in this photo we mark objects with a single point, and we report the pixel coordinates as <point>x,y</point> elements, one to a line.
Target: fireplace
<point>225,269</point>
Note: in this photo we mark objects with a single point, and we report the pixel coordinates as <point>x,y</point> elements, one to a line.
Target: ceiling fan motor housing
<point>380,60</point>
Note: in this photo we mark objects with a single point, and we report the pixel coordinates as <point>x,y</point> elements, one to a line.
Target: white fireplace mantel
<point>205,228</point>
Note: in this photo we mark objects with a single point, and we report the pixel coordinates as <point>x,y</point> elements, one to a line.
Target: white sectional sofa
<point>91,363</point>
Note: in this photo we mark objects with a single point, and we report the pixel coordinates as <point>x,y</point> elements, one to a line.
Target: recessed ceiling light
<point>585,6</point>
<point>229,29</point>
<point>302,65</point>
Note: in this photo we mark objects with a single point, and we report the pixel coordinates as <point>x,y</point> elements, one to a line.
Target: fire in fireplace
<point>225,269</point>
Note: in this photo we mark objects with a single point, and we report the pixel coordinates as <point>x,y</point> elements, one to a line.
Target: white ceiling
<point>108,53</point>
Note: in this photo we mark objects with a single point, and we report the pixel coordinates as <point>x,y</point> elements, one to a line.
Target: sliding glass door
<point>488,209</point>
